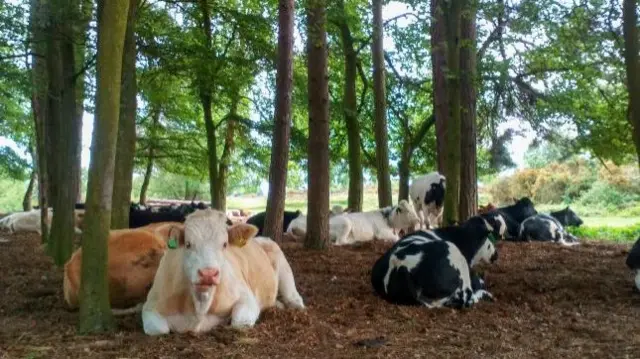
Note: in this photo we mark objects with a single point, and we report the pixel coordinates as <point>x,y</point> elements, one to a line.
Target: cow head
<point>480,239</point>
<point>203,241</point>
<point>403,216</point>
<point>568,217</point>
<point>497,223</point>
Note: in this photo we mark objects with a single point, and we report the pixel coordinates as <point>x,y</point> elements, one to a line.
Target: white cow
<point>215,274</point>
<point>29,221</point>
<point>427,194</point>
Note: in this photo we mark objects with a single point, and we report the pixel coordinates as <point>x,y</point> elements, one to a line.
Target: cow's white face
<point>203,242</point>
<point>638,279</point>
<point>487,253</point>
<point>404,215</point>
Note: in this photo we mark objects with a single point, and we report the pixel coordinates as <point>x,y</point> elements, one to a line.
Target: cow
<point>633,262</point>
<point>29,221</point>
<point>567,217</point>
<point>433,267</point>
<point>542,227</point>
<point>258,220</point>
<point>217,273</point>
<point>515,214</point>
<point>427,193</point>
<point>133,258</point>
<point>298,226</point>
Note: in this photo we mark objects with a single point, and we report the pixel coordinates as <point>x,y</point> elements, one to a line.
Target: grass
<point>616,234</point>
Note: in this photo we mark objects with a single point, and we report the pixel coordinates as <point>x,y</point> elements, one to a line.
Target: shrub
<point>607,195</point>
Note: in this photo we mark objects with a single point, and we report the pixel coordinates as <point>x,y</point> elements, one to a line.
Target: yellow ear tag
<point>239,241</point>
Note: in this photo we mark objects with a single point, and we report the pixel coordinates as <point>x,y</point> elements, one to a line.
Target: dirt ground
<point>551,302</point>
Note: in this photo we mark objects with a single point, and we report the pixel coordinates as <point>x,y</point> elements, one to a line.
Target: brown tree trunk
<point>468,168</point>
<point>62,108</point>
<point>225,158</point>
<point>631,57</point>
<point>149,170</point>
<point>354,199</point>
<point>439,64</point>
<point>95,311</point>
<point>452,137</point>
<point>380,107</point>
<point>38,19</point>
<point>317,236</point>
<point>126,144</point>
<point>28,194</point>
<point>282,124</point>
<point>404,171</point>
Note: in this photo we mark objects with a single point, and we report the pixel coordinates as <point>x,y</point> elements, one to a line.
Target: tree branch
<point>365,87</point>
<point>367,41</point>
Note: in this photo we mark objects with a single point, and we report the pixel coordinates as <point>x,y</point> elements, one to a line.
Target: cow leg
<point>387,235</point>
<point>246,311</point>
<point>342,229</point>
<point>482,294</point>
<point>154,324</point>
<point>286,283</point>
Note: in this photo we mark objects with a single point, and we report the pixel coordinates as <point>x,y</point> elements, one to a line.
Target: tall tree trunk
<point>354,199</point>
<point>452,138</point>
<point>28,194</point>
<point>439,64</point>
<point>206,99</point>
<point>95,311</point>
<point>86,9</point>
<point>404,170</point>
<point>380,108</point>
<point>318,147</point>
<point>468,167</point>
<point>62,108</point>
<point>225,158</point>
<point>631,58</point>
<point>38,20</point>
<point>126,143</point>
<point>282,124</point>
<point>149,170</point>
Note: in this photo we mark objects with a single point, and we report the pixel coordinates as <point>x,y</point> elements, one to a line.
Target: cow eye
<point>224,245</point>
<point>188,245</point>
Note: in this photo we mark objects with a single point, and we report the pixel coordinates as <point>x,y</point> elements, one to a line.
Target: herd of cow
<point>189,268</point>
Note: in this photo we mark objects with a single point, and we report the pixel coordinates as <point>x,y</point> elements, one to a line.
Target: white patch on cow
<point>154,324</point>
<point>487,225</point>
<point>246,311</point>
<point>484,254</point>
<point>637,279</point>
<point>409,262</point>
<point>503,225</point>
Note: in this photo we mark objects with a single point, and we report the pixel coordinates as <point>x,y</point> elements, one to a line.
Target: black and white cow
<point>567,217</point>
<point>543,227</point>
<point>258,220</point>
<point>427,194</point>
<point>515,214</point>
<point>432,268</point>
<point>633,262</point>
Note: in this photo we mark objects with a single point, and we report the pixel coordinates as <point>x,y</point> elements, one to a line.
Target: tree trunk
<point>86,8</point>
<point>282,124</point>
<point>95,311</point>
<point>468,167</point>
<point>38,20</point>
<point>439,64</point>
<point>149,170</point>
<point>221,183</point>
<point>404,170</point>
<point>62,108</point>
<point>354,199</point>
<point>126,143</point>
<point>28,194</point>
<point>318,147</point>
<point>380,107</point>
<point>631,58</point>
<point>452,137</point>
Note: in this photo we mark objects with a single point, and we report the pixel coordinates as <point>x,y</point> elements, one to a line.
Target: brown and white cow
<point>134,256</point>
<point>217,273</point>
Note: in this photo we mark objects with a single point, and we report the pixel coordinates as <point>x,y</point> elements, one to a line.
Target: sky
<point>517,148</point>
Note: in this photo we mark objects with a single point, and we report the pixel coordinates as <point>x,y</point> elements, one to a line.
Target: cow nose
<point>494,257</point>
<point>209,276</point>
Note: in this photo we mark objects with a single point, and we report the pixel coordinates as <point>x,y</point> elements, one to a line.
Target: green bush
<point>607,195</point>
<point>616,234</point>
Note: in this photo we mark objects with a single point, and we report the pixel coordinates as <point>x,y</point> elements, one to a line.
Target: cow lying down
<point>633,262</point>
<point>217,273</point>
<point>433,267</point>
<point>133,258</point>
<point>542,227</point>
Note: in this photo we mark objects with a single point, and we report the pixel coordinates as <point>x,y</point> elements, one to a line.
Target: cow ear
<point>241,233</point>
<point>176,237</point>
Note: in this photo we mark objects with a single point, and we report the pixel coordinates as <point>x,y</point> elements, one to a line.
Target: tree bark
<point>225,158</point>
<point>354,199</point>
<point>149,170</point>
<point>439,64</point>
<point>468,167</point>
<point>282,124</point>
<point>38,20</point>
<point>631,57</point>
<point>126,143</point>
<point>379,91</point>
<point>404,171</point>
<point>28,194</point>
<point>62,103</point>
<point>317,236</point>
<point>95,311</point>
<point>452,135</point>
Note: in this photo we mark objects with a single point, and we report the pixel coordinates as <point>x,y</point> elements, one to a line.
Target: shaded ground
<point>552,302</point>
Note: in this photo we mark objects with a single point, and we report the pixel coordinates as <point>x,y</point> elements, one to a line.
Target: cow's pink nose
<point>209,276</point>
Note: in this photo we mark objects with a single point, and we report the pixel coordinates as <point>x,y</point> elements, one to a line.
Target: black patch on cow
<point>567,217</point>
<point>633,258</point>
<point>435,194</point>
<point>386,212</point>
<point>515,214</point>
<point>258,220</point>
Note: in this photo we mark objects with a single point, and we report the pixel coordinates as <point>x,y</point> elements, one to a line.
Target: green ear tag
<point>492,238</point>
<point>173,243</point>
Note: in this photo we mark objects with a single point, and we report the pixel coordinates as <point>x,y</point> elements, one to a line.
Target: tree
<point>61,126</point>
<point>468,139</point>
<point>381,132</point>
<point>631,58</point>
<point>95,311</point>
<point>318,145</point>
<point>126,148</point>
<point>282,123</point>
<point>439,64</point>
